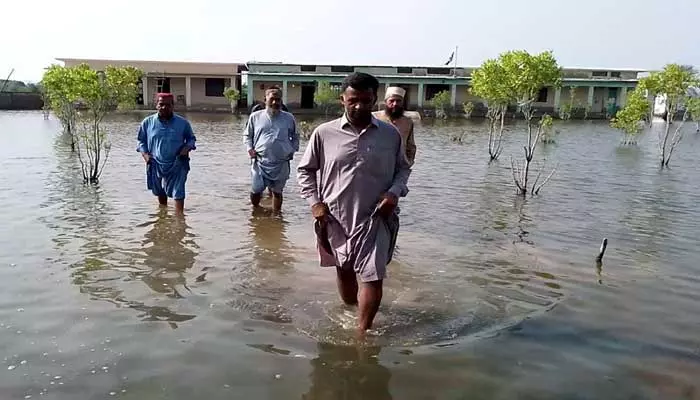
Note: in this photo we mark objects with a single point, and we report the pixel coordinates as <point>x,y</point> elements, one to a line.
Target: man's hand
<point>320,211</point>
<point>388,204</point>
<point>251,153</point>
<point>146,157</point>
<point>185,151</point>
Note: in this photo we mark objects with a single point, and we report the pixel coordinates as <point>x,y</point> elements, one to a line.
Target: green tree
<point>630,118</point>
<point>524,76</point>
<point>693,107</point>
<point>440,102</point>
<point>326,96</point>
<point>468,108</point>
<point>673,82</point>
<point>232,95</point>
<point>99,93</point>
<point>490,82</point>
<point>59,85</point>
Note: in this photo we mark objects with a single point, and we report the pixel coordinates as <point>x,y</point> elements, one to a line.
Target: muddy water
<point>102,295</point>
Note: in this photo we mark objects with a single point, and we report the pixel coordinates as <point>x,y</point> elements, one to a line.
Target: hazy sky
<point>593,33</point>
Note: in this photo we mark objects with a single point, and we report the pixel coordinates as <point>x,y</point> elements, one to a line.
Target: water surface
<point>490,296</point>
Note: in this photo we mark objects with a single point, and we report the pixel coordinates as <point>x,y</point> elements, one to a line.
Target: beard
<point>395,112</point>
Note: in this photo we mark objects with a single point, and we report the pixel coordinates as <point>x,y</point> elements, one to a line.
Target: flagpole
<point>454,67</point>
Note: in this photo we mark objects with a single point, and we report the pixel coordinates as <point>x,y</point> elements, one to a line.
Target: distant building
<point>194,85</point>
<point>595,87</point>
<point>198,85</point>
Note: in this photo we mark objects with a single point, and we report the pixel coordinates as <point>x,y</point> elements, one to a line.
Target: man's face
<point>358,104</point>
<point>165,107</point>
<point>394,106</point>
<point>273,101</point>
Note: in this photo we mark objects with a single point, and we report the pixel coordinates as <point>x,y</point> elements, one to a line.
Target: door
<point>307,95</point>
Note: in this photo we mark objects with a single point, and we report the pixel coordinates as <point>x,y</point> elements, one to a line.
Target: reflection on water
<point>168,254</point>
<point>348,372</point>
<point>491,296</point>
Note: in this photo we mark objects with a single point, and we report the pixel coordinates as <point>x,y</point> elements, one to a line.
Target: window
<point>439,71</point>
<point>214,87</point>
<point>404,70</point>
<point>342,68</point>
<point>308,68</point>
<point>615,74</point>
<point>600,74</point>
<point>542,95</point>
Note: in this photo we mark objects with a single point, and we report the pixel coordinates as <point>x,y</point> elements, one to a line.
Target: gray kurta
<point>349,171</point>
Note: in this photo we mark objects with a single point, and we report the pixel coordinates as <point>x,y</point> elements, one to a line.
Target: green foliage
<point>98,92</point>
<point>232,94</point>
<point>440,102</point>
<point>326,96</point>
<point>527,74</point>
<point>546,124</point>
<point>565,111</point>
<point>693,107</point>
<point>629,119</point>
<point>490,82</point>
<point>468,109</point>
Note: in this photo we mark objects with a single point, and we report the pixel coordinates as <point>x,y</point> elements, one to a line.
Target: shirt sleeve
<point>190,139</point>
<point>411,147</point>
<point>249,133</point>
<point>142,138</point>
<point>294,136</point>
<point>308,167</point>
<point>402,171</point>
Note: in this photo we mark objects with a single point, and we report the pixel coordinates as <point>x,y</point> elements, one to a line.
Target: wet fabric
<point>275,140</point>
<point>166,173</point>
<point>350,171</point>
<point>168,182</point>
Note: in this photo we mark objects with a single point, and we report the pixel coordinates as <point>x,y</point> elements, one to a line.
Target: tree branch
<point>536,190</point>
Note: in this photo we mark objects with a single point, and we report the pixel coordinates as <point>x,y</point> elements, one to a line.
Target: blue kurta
<point>166,173</point>
<point>275,140</point>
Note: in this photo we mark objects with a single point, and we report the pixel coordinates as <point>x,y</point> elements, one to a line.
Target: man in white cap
<point>393,114</point>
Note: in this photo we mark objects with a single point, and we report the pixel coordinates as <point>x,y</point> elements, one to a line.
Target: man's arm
<point>402,171</point>
<point>248,136</point>
<point>411,147</point>
<point>142,138</point>
<point>190,139</point>
<point>249,133</point>
<point>294,137</point>
<point>309,165</point>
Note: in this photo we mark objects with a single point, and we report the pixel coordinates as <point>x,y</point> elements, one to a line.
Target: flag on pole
<point>450,59</point>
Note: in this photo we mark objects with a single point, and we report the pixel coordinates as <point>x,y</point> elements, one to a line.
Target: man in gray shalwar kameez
<point>271,139</point>
<point>352,174</point>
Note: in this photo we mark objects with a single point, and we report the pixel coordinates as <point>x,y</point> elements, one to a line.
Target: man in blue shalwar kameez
<point>271,139</point>
<point>165,140</point>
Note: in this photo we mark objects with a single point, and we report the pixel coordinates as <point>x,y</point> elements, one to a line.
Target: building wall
<point>580,96</point>
<point>294,93</point>
<point>600,98</point>
<point>199,97</point>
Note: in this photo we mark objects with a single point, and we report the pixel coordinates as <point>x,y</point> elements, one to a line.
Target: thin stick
<point>601,253</point>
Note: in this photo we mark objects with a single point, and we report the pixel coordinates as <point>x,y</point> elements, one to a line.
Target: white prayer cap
<point>394,91</point>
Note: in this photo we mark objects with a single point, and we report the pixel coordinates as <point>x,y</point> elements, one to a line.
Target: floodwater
<point>490,296</point>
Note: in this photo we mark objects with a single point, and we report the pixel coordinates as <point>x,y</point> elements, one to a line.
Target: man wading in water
<point>352,174</point>
<point>393,114</point>
<point>165,140</point>
<point>271,139</point>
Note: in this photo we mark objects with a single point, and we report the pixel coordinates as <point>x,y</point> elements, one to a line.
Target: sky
<point>644,34</point>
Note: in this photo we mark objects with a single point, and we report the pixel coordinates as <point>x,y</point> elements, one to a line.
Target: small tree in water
<point>525,75</point>
<point>99,93</point>
<point>468,109</point>
<point>232,95</point>
<point>489,82</point>
<point>673,82</point>
<point>326,96</point>
<point>629,119</point>
<point>440,102</point>
<point>58,83</point>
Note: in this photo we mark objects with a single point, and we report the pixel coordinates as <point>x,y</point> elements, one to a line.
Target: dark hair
<point>273,88</point>
<point>360,81</point>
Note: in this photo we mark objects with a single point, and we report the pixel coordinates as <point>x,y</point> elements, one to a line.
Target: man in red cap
<point>165,140</point>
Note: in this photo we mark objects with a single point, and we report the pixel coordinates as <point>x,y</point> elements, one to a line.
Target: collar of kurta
<point>345,122</point>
